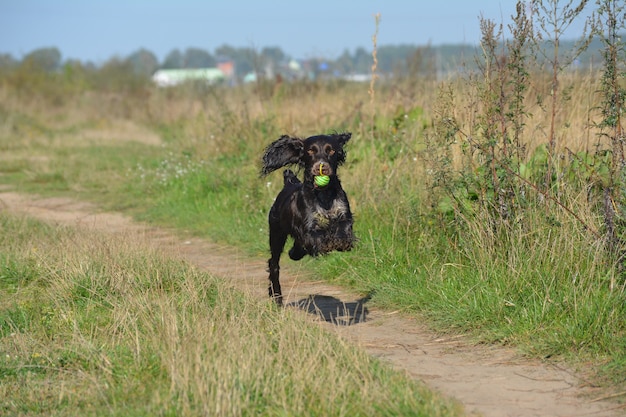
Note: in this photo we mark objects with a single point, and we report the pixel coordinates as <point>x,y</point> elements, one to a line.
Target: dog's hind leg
<point>297,252</point>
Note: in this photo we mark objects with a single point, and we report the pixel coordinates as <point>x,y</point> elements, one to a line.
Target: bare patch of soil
<point>488,380</point>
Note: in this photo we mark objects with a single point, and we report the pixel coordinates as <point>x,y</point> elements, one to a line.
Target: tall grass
<point>506,287</point>
<point>110,326</point>
<point>451,226</point>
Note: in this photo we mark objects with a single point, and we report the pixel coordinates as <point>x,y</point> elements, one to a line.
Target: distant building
<point>358,78</point>
<point>227,67</point>
<point>172,77</point>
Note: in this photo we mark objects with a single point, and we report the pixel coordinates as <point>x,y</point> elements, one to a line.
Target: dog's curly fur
<point>318,218</point>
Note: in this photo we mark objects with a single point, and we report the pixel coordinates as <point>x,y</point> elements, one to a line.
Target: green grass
<point>109,326</point>
<point>545,287</point>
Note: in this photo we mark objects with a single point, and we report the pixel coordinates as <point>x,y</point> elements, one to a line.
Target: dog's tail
<point>290,178</point>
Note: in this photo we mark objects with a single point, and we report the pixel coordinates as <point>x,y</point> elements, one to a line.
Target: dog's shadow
<point>333,310</point>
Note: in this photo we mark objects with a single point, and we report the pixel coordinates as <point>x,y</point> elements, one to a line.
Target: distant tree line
<point>393,60</point>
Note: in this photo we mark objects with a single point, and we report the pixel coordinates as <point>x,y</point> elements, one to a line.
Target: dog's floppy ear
<point>342,139</point>
<point>282,152</point>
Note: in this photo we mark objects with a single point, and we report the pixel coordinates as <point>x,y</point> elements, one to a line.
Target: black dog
<point>315,212</point>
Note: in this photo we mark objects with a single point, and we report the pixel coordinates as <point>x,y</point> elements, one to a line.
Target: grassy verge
<point>112,327</point>
<point>544,285</point>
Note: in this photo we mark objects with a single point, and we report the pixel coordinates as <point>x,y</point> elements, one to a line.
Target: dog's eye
<point>313,150</point>
<point>329,150</point>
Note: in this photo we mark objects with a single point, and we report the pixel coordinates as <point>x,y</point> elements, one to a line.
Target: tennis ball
<point>321,180</point>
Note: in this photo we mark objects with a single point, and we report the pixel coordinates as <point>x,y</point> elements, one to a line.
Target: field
<point>111,326</point>
<point>502,226</point>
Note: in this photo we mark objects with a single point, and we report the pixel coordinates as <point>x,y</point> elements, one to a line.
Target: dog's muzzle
<point>322,168</point>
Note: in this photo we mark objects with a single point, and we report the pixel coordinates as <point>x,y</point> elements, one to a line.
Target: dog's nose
<point>322,168</point>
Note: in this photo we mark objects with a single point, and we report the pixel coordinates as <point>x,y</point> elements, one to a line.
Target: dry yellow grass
<point>111,325</point>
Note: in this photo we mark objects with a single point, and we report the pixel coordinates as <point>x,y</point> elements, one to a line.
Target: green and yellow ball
<point>321,180</point>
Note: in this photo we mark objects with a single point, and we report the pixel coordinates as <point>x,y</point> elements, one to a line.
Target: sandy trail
<point>490,381</point>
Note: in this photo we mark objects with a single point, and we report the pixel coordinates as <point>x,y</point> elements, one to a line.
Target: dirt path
<point>491,381</point>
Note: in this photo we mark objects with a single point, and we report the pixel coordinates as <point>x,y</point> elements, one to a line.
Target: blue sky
<point>96,30</point>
